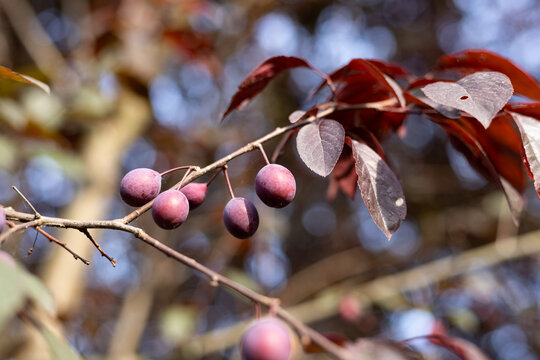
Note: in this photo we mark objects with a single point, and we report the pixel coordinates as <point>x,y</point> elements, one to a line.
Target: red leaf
<point>390,69</point>
<point>528,109</point>
<point>379,123</point>
<point>319,145</point>
<point>344,175</point>
<point>257,80</point>
<point>380,189</point>
<point>6,73</point>
<point>469,61</point>
<point>481,94</point>
<point>362,81</point>
<point>529,128</point>
<point>492,153</point>
<point>464,349</point>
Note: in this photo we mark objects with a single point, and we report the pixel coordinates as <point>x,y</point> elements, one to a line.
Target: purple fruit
<point>241,217</point>
<point>275,185</point>
<point>139,186</point>
<point>195,193</point>
<point>2,219</point>
<point>170,209</point>
<point>267,339</point>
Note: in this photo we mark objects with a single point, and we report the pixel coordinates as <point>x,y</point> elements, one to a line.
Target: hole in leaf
<point>464,97</point>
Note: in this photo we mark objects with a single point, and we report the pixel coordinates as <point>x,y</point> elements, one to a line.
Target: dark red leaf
<point>482,94</point>
<point>257,80</point>
<point>527,109</point>
<point>380,189</point>
<point>361,81</point>
<point>469,61</point>
<point>344,175</point>
<point>379,123</point>
<point>390,69</point>
<point>493,152</point>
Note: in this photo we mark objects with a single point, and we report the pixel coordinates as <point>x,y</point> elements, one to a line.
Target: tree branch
<point>28,220</point>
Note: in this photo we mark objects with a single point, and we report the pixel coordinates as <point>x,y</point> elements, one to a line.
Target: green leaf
<point>59,348</point>
<point>36,291</point>
<point>13,292</point>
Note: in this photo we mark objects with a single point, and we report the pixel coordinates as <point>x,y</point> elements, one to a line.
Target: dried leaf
<point>481,94</point>
<point>380,189</point>
<point>473,60</point>
<point>320,144</point>
<point>6,73</point>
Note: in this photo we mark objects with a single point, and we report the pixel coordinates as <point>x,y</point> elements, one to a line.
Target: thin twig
<point>31,250</point>
<point>27,201</point>
<point>51,238</point>
<point>63,245</point>
<point>103,253</point>
<point>213,276</point>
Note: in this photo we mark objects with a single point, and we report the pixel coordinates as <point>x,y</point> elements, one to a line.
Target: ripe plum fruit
<point>275,185</point>
<point>139,186</point>
<point>195,193</point>
<point>241,217</point>
<point>266,339</point>
<point>170,209</point>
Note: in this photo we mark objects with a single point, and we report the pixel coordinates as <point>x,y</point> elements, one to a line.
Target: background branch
<point>326,304</point>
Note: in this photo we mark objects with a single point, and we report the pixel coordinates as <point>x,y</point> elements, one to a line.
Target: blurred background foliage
<point>142,83</point>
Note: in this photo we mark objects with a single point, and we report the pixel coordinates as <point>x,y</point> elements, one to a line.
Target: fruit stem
<point>181,183</point>
<point>228,181</point>
<point>176,168</point>
<point>263,154</point>
<point>257,311</point>
<point>214,177</point>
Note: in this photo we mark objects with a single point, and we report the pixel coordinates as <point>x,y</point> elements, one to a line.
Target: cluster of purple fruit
<point>274,184</point>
